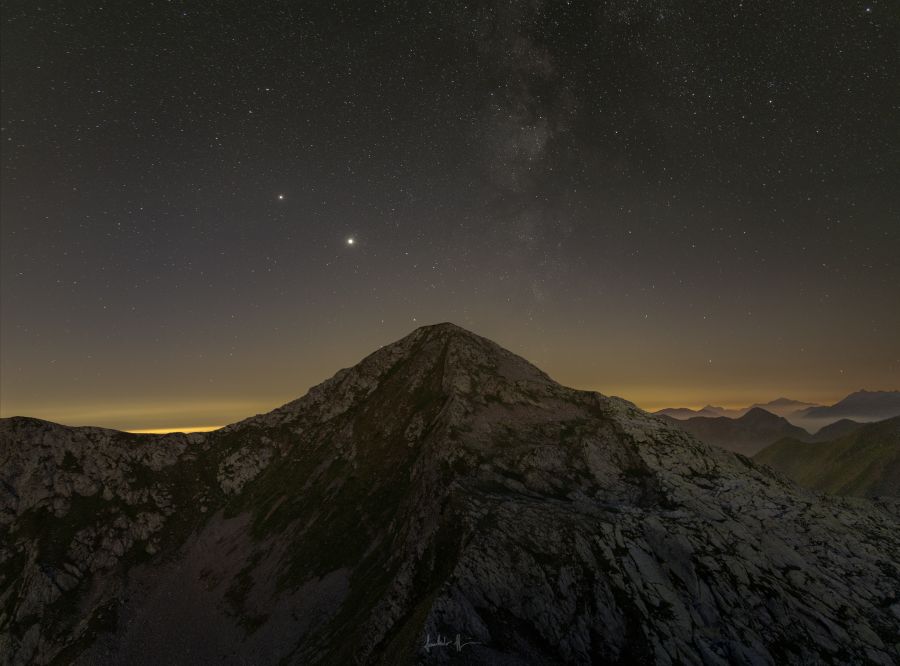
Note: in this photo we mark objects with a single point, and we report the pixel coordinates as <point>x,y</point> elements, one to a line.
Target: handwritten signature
<point>440,641</point>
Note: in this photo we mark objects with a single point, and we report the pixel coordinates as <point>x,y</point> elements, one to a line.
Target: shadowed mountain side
<point>836,429</point>
<point>784,407</point>
<point>866,462</point>
<point>861,406</point>
<point>748,434</point>
<point>441,486</point>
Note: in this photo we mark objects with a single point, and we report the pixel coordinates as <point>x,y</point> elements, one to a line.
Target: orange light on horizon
<point>166,431</point>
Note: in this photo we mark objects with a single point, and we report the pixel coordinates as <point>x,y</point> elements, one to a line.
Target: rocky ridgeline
<point>442,486</point>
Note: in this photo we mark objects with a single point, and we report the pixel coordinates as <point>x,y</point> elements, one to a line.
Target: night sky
<point>675,202</point>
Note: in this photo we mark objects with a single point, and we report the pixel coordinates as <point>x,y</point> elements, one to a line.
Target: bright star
<point>350,240</point>
<point>281,197</point>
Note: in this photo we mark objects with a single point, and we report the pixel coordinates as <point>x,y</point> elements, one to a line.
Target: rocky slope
<point>748,434</point>
<point>443,486</point>
<point>866,462</point>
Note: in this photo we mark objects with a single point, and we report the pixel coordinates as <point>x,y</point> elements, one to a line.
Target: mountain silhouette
<point>708,410</point>
<point>441,489</point>
<point>747,434</point>
<point>785,407</point>
<point>836,429</point>
<point>861,405</point>
<point>865,462</point>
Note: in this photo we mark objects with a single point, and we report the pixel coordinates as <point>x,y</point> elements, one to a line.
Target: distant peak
<point>444,327</point>
<point>867,392</point>
<point>760,413</point>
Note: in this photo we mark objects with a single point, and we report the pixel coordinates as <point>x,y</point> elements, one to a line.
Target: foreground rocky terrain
<point>441,487</point>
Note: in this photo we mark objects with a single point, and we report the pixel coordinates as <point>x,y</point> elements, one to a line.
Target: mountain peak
<point>747,434</point>
<point>862,405</point>
<point>438,361</point>
<point>463,357</point>
<point>444,328</point>
<point>760,414</point>
<point>441,486</point>
<point>777,402</point>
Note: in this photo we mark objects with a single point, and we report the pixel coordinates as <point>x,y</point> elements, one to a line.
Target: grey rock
<point>442,486</point>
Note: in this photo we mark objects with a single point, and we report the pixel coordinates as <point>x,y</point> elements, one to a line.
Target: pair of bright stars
<point>350,240</point>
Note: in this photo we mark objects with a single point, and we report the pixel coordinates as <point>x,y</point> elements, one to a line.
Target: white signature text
<point>441,641</point>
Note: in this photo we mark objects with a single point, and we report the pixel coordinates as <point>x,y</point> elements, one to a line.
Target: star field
<point>208,207</point>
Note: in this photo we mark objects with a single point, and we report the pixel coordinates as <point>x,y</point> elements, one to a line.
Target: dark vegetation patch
<point>53,534</point>
<point>70,463</point>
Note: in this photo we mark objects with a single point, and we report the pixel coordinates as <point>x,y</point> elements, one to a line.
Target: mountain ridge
<point>864,461</point>
<point>442,485</point>
<point>747,434</point>
<point>862,404</point>
<point>784,407</point>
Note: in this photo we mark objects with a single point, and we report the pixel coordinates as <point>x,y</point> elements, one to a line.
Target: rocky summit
<point>441,502</point>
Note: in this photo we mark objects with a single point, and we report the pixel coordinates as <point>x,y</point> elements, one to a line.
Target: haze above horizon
<point>163,414</point>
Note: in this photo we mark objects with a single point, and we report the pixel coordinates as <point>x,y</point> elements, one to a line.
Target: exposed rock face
<point>442,486</point>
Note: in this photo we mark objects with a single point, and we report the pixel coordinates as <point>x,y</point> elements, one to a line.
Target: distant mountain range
<point>757,429</point>
<point>441,502</point>
<point>862,406</point>
<point>746,434</point>
<point>709,410</point>
<point>779,406</point>
<point>865,462</point>
<point>783,406</point>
